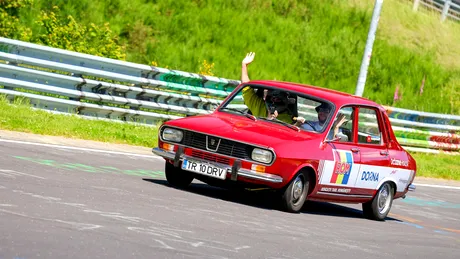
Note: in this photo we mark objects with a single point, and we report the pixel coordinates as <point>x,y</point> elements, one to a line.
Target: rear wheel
<point>295,194</point>
<point>379,207</point>
<point>177,177</point>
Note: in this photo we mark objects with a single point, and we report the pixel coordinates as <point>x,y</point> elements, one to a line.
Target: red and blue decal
<point>342,167</point>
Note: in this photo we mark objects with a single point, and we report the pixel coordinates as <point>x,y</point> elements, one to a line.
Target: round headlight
<point>173,135</point>
<point>262,155</point>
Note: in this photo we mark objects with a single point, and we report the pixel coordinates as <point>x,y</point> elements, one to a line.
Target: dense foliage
<point>56,29</point>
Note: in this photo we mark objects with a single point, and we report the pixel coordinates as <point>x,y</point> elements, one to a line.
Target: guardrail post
<point>416,4</point>
<point>445,10</point>
<point>12,63</point>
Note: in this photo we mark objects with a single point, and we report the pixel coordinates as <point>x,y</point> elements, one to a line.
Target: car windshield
<point>291,108</point>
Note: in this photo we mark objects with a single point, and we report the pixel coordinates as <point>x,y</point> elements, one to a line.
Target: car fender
<point>307,166</point>
<point>389,178</point>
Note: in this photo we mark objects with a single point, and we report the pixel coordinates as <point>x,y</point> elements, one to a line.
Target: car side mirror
<point>338,137</point>
<point>332,140</point>
<point>342,137</point>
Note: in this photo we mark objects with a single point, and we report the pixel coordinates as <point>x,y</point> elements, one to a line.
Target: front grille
<point>210,157</point>
<point>226,147</point>
<point>196,140</point>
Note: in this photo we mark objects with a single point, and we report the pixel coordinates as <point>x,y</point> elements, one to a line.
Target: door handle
<point>384,153</point>
<point>354,149</point>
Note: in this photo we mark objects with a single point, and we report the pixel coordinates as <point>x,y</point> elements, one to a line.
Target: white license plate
<point>206,169</point>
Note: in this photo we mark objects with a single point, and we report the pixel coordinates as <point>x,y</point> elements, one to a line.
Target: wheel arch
<point>391,182</point>
<point>312,176</point>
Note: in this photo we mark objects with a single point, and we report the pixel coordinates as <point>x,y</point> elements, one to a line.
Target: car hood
<point>242,129</point>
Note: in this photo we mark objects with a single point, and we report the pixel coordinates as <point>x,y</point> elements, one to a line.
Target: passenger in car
<point>323,111</point>
<point>271,103</point>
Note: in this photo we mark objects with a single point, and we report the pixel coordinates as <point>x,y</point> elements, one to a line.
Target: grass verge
<point>438,166</point>
<point>20,117</point>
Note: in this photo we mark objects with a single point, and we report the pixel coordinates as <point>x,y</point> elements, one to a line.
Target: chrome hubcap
<point>297,188</point>
<point>383,199</point>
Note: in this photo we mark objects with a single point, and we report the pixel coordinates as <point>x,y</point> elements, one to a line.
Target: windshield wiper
<point>252,117</point>
<point>282,122</point>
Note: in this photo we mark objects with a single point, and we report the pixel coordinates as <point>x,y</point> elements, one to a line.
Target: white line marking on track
<point>77,225</point>
<point>197,244</point>
<point>48,198</point>
<point>80,148</point>
<point>7,205</point>
<point>106,188</point>
<point>15,173</point>
<point>242,247</point>
<point>437,186</point>
<point>78,205</point>
<point>164,244</point>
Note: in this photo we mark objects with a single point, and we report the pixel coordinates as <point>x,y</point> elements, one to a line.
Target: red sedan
<point>306,142</point>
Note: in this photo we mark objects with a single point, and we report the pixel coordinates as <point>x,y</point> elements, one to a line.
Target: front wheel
<point>295,193</point>
<point>379,207</point>
<point>177,177</point>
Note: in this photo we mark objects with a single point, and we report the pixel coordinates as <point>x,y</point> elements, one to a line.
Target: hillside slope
<point>306,41</point>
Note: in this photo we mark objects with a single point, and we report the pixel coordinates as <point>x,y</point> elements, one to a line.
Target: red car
<point>305,142</point>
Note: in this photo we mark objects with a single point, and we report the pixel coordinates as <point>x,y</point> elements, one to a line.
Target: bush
<point>10,27</point>
<point>66,33</point>
<point>56,30</point>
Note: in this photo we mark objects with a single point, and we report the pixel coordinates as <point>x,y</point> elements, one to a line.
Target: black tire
<point>294,195</point>
<point>177,177</point>
<point>379,207</point>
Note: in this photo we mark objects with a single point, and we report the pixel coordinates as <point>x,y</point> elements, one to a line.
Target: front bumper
<point>234,170</point>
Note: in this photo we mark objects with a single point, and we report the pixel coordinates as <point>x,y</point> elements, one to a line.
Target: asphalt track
<point>76,203</point>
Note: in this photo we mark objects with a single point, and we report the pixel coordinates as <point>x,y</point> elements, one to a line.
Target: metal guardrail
<point>91,86</point>
<point>447,8</point>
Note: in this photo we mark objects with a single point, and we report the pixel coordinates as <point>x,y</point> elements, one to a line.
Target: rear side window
<point>368,127</point>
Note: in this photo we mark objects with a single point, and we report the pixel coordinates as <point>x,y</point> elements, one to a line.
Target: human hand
<point>249,58</point>
<point>340,120</point>
<point>300,119</point>
<point>273,115</point>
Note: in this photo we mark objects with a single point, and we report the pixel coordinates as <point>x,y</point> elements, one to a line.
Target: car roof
<point>337,97</point>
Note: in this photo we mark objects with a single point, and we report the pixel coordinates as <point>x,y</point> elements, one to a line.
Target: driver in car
<point>271,103</point>
<point>323,112</point>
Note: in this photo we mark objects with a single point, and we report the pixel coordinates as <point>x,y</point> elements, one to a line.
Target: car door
<point>339,175</point>
<point>371,144</point>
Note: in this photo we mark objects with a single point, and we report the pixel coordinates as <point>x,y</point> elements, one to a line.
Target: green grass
<point>438,166</point>
<point>310,41</point>
<point>20,117</point>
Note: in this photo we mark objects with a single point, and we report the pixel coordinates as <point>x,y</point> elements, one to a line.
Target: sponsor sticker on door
<point>342,167</point>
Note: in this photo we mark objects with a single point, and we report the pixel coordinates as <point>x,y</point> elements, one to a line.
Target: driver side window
<point>342,125</point>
